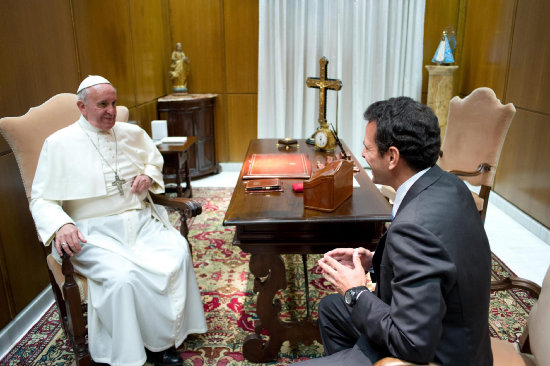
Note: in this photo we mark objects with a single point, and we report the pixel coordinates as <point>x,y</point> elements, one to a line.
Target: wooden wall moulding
<point>193,115</point>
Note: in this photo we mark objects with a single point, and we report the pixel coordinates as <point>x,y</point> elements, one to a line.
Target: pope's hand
<point>68,239</point>
<point>141,183</point>
<point>341,276</point>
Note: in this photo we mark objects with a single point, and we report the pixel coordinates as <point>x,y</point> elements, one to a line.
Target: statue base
<point>440,92</point>
<point>179,90</point>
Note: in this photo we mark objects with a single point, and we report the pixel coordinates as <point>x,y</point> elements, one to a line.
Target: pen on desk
<point>267,188</point>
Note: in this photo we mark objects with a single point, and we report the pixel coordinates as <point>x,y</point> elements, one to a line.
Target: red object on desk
<point>298,187</point>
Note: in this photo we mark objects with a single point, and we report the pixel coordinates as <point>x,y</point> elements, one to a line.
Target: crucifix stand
<point>323,83</point>
<point>324,138</point>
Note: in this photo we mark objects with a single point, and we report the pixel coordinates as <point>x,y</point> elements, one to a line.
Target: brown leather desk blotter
<point>293,165</point>
<point>329,187</point>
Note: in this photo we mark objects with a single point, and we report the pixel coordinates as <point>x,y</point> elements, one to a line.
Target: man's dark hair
<point>410,126</point>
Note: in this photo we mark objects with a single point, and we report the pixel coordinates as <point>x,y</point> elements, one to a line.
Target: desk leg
<point>188,188</point>
<point>270,276</point>
<point>178,175</point>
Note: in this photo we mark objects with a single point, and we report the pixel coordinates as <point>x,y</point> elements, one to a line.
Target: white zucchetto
<point>92,80</point>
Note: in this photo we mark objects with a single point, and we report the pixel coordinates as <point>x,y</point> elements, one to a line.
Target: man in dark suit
<point>432,267</point>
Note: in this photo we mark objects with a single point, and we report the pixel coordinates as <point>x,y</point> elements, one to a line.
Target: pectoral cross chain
<point>118,183</point>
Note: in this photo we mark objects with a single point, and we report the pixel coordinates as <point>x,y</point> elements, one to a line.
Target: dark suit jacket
<point>434,270</point>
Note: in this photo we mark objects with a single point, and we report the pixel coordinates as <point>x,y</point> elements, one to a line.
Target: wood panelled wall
<point>502,45</point>
<point>523,177</point>
<point>48,47</point>
<point>220,37</point>
<point>53,45</point>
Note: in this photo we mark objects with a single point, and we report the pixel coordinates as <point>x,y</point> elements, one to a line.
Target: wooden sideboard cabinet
<point>192,115</point>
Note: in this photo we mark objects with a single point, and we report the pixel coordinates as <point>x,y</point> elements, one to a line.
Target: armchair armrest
<point>192,207</point>
<point>516,282</point>
<point>186,207</point>
<point>524,284</point>
<point>480,169</point>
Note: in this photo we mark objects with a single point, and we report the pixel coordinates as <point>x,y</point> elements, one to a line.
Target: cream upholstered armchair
<point>476,129</point>
<point>532,349</point>
<point>26,135</point>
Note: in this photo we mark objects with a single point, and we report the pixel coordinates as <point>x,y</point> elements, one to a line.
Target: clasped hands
<point>68,237</point>
<point>345,268</point>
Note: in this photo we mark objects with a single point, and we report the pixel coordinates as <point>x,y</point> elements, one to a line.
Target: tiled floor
<point>526,252</point>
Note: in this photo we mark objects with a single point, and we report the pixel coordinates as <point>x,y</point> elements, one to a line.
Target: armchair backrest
<point>476,129</point>
<point>26,134</point>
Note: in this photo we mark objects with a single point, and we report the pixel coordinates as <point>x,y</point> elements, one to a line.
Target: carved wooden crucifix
<point>322,83</point>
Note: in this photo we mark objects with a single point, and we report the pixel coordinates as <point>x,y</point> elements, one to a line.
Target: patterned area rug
<point>226,288</point>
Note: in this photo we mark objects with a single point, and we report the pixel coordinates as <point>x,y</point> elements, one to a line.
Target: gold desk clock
<point>323,138</point>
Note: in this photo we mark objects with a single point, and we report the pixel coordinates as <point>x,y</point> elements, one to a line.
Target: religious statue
<point>179,70</point>
<point>444,52</point>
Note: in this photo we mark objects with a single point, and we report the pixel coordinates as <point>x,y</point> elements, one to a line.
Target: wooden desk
<point>176,164</point>
<point>275,223</point>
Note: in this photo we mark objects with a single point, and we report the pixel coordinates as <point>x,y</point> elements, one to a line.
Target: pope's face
<point>377,162</point>
<point>100,107</point>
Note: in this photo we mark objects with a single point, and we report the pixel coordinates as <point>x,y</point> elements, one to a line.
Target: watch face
<point>350,297</point>
<point>347,297</point>
<point>321,139</point>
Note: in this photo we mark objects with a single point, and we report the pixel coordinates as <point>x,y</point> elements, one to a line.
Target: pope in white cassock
<point>88,199</point>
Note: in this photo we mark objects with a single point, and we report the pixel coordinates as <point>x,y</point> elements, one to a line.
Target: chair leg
<point>193,209</point>
<point>86,360</point>
<point>59,301</point>
<point>75,317</point>
<point>70,311</point>
<point>184,229</point>
<point>188,187</point>
<point>306,285</point>
<point>484,193</point>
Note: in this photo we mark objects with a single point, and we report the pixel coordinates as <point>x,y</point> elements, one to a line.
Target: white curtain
<point>373,46</point>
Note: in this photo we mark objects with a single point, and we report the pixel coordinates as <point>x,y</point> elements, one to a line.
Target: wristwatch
<point>350,297</point>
